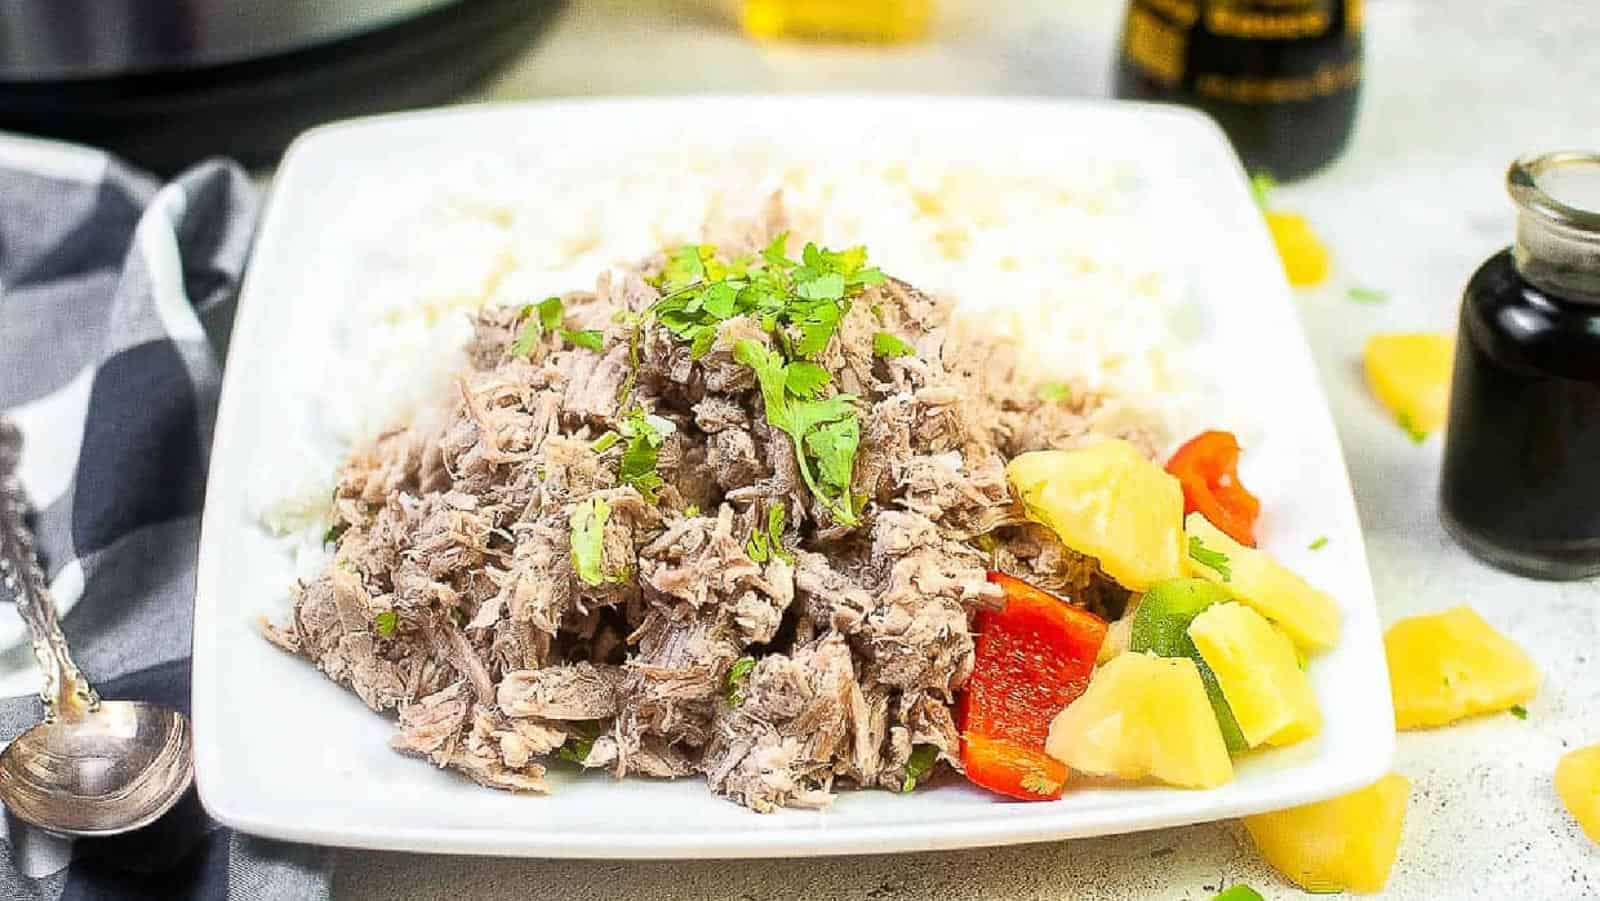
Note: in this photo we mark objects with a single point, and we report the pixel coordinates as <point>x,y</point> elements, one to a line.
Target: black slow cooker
<point>167,82</point>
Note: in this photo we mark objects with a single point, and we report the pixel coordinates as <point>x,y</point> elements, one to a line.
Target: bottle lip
<point>1522,182</point>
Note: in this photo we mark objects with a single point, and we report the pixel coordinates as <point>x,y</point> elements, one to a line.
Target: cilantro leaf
<point>1262,185</point>
<point>1054,392</point>
<point>834,446</point>
<point>775,518</point>
<point>1519,711</point>
<point>1213,560</point>
<point>528,336</point>
<point>550,313</point>
<point>578,745</point>
<point>825,286</point>
<point>591,339</point>
<point>537,318</point>
<point>738,675</point>
<point>918,765</point>
<point>605,442</point>
<point>887,344</point>
<point>775,254</point>
<point>645,435</point>
<point>1417,435</point>
<point>803,379</point>
<point>1368,295</point>
<point>763,546</point>
<point>588,540</point>
<point>386,621</point>
<point>757,548</point>
<point>331,536</point>
<point>686,266</point>
<point>1319,544</point>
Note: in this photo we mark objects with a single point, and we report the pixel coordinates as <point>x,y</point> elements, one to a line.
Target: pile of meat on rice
<point>452,598</point>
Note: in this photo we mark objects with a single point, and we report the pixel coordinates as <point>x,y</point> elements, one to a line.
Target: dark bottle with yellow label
<point>1282,77</point>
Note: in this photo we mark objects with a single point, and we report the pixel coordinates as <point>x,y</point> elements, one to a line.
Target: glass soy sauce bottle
<point>1520,486</point>
<point>1282,77</point>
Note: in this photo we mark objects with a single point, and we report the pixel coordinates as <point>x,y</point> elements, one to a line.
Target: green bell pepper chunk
<point>1161,626</point>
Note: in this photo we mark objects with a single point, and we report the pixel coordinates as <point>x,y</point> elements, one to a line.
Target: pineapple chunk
<point>1109,502</point>
<point>1410,376</point>
<point>1308,615</point>
<point>1445,666</point>
<point>1578,784</point>
<point>1143,715</point>
<point>1347,843</point>
<point>1269,694</point>
<point>1305,258</point>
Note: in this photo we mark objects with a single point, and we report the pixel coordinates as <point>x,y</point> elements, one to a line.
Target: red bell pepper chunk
<point>1012,769</point>
<point>1032,658</point>
<point>1208,468</point>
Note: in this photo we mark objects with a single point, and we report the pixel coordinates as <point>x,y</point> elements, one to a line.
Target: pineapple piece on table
<point>1143,716</point>
<point>1450,665</point>
<point>1346,843</point>
<point>1578,784</point>
<point>1106,501</point>
<point>1308,615</point>
<point>1268,693</point>
<point>1306,260</point>
<point>1410,376</point>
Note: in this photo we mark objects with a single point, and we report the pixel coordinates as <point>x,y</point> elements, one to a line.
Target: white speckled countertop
<point>1455,89</point>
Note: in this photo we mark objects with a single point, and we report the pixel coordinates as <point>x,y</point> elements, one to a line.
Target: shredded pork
<point>453,601</point>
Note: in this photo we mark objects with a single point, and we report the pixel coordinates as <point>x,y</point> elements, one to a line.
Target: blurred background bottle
<point>876,21</point>
<point>1282,77</point>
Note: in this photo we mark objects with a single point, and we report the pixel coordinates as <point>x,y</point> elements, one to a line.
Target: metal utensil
<point>91,767</point>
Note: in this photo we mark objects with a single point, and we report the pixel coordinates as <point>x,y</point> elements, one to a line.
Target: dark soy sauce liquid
<point>1521,479</point>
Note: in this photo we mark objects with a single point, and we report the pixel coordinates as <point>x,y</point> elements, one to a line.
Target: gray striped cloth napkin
<point>116,299</point>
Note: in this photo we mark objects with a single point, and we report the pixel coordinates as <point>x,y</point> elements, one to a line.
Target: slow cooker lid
<point>53,40</point>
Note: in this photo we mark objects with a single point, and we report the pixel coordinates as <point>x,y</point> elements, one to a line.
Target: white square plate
<point>283,752</point>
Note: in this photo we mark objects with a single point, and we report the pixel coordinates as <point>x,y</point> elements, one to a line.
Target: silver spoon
<point>92,767</point>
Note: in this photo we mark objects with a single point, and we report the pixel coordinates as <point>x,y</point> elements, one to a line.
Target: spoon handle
<point>66,693</point>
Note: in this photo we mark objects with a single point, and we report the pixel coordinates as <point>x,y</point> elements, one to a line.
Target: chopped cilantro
<point>826,433</point>
<point>918,765</point>
<point>804,379</point>
<point>1368,295</point>
<point>1416,435</point>
<point>987,543</point>
<point>888,344</point>
<point>334,531</point>
<point>605,442</point>
<point>386,621</point>
<point>1054,392</point>
<point>588,533</point>
<point>645,435</point>
<point>800,304</point>
<point>1214,560</point>
<point>1319,544</point>
<point>1519,711</point>
<point>691,511</point>
<point>578,745</point>
<point>589,339</point>
<point>548,319</point>
<point>738,674</point>
<point>764,545</point>
<point>1262,184</point>
<point>1240,892</point>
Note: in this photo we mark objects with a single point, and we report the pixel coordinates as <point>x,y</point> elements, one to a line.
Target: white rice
<point>1056,254</point>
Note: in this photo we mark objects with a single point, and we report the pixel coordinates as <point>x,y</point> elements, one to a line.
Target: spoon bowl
<point>115,768</point>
